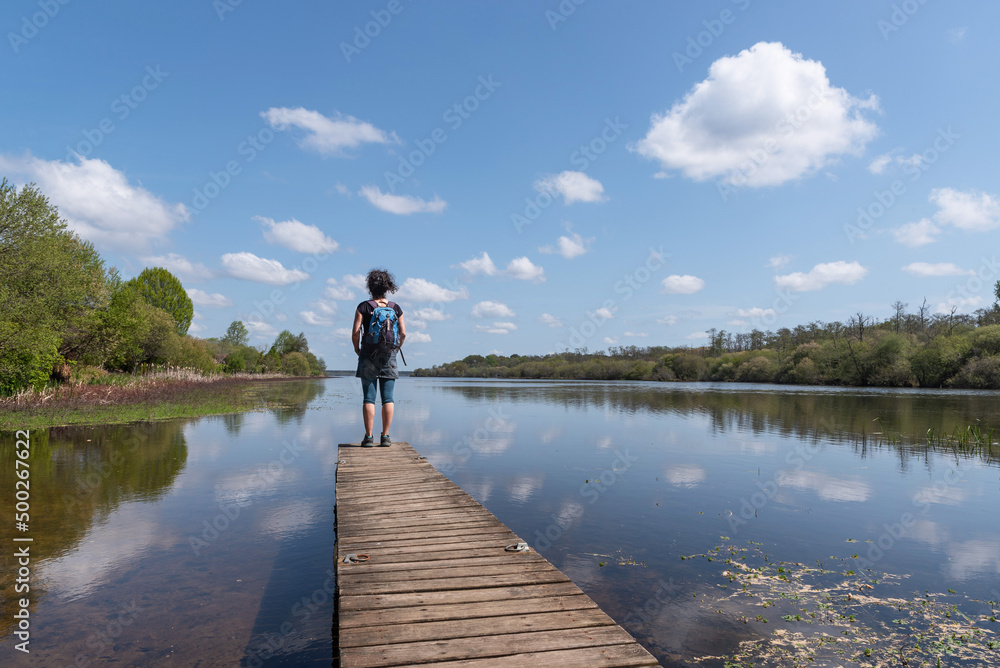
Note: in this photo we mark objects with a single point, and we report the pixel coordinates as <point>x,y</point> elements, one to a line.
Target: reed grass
<point>159,394</point>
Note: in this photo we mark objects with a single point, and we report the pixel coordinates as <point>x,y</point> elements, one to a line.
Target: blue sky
<point>537,175</point>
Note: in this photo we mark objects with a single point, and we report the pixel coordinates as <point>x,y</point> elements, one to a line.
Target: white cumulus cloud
<point>98,202</point>
<point>431,314</point>
<point>682,285</point>
<point>180,266</point>
<point>337,290</point>
<point>260,329</point>
<point>971,211</point>
<point>524,269</point>
<point>497,328</point>
<point>326,136</point>
<point>490,309</point>
<point>916,234</point>
<point>572,186</point>
<point>763,117</point>
<point>822,275</point>
<point>756,312</point>
<point>297,236</point>
<point>550,320</point>
<point>422,290</point>
<point>569,247</point>
<point>604,313</point>
<point>960,304</point>
<point>202,298</point>
<point>480,265</point>
<point>937,269</point>
<point>401,205</point>
<point>312,318</point>
<point>252,268</point>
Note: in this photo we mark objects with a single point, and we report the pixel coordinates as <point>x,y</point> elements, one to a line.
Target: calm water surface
<point>209,541</point>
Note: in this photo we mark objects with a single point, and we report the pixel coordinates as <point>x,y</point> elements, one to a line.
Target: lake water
<point>691,513</point>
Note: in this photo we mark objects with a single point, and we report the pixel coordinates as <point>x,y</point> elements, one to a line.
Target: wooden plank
<point>613,656</point>
<point>445,584</point>
<point>418,599</point>
<point>351,618</point>
<point>483,646</point>
<point>473,628</point>
<point>411,566</point>
<point>440,587</point>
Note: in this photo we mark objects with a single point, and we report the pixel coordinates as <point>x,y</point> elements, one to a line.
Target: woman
<point>374,369</point>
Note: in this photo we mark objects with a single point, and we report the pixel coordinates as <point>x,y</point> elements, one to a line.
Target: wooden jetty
<point>435,578</point>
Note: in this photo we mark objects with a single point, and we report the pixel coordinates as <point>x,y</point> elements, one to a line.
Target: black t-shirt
<point>367,309</point>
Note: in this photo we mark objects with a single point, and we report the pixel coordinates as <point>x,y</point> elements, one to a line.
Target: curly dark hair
<point>380,282</point>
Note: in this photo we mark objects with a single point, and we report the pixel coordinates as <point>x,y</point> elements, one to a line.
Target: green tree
<point>242,358</point>
<point>50,280</point>
<point>237,334</point>
<point>286,342</point>
<point>295,364</point>
<point>159,288</point>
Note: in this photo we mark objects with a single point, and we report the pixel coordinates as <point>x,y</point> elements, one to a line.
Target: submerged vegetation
<point>905,350</point>
<point>840,611</point>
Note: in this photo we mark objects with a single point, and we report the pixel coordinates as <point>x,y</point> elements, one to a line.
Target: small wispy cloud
<point>401,205</point>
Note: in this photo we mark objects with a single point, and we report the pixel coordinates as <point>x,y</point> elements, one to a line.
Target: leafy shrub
<point>295,364</point>
<point>803,373</point>
<point>979,373</point>
<point>757,369</point>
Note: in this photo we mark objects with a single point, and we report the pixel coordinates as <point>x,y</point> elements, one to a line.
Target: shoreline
<point>141,400</point>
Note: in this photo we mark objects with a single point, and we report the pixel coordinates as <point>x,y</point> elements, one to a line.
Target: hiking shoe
<point>367,442</point>
<point>385,442</point>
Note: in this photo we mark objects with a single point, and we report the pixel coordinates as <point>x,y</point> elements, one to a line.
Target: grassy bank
<point>129,399</point>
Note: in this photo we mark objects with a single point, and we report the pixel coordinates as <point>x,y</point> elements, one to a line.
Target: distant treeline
<point>905,350</point>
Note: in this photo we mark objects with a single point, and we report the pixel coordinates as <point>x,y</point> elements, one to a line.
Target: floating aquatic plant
<point>832,615</point>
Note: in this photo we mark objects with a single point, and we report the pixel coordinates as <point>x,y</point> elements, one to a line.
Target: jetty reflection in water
<point>211,540</point>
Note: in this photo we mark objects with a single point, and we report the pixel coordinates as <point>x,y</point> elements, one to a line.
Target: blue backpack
<point>382,337</point>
